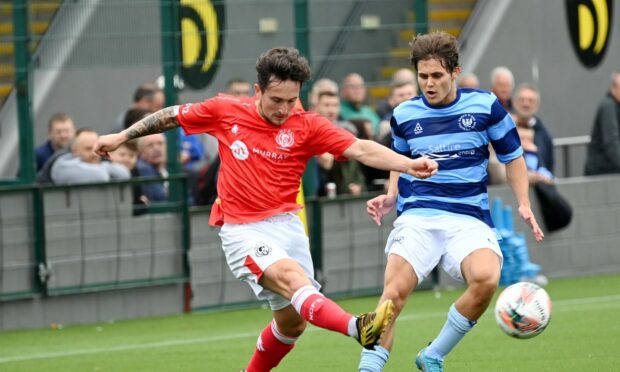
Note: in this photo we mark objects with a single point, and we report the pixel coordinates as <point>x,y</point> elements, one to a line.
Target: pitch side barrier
<point>73,239</point>
<point>83,253</point>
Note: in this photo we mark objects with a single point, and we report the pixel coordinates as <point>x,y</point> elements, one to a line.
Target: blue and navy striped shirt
<point>457,136</point>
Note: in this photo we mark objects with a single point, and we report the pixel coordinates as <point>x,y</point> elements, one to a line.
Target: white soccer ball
<point>523,310</point>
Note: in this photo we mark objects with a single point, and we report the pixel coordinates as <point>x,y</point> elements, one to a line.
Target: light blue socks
<point>374,360</point>
<point>452,332</point>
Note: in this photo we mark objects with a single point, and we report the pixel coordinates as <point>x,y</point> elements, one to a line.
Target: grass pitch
<point>584,334</point>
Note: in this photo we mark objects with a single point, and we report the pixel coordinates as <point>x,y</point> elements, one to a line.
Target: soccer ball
<point>523,310</point>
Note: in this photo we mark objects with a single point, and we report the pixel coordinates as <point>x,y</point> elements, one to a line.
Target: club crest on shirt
<point>235,129</point>
<point>262,249</point>
<point>467,122</point>
<point>239,150</point>
<point>285,138</point>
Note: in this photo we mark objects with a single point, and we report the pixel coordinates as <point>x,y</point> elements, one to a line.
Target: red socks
<point>271,347</point>
<point>320,310</point>
<point>315,308</point>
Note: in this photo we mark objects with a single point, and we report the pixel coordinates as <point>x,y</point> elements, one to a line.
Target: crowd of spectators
<point>65,156</point>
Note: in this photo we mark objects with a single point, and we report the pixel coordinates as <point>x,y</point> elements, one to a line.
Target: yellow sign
<point>589,24</point>
<point>202,25</point>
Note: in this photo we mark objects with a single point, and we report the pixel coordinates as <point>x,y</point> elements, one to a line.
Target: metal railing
<point>566,146</point>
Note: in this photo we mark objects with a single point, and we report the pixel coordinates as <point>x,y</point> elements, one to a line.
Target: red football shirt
<point>261,163</point>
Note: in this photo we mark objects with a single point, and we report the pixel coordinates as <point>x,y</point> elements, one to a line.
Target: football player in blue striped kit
<point>445,218</point>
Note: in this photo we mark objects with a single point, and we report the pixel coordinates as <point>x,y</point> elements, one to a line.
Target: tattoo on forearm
<point>157,122</point>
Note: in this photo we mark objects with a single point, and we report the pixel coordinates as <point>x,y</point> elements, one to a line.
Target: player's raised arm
<point>156,122</point>
<point>378,156</point>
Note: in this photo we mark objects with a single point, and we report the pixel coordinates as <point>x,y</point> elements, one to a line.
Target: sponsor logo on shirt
<point>262,249</point>
<point>285,138</point>
<point>418,128</point>
<point>442,147</point>
<point>269,154</point>
<point>239,150</point>
<point>467,122</point>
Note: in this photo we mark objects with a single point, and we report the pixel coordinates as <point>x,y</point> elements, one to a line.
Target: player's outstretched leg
<point>481,270</point>
<point>319,310</point>
<point>271,347</point>
<point>400,280</point>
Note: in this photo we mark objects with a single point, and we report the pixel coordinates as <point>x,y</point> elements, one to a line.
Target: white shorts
<point>425,241</point>
<point>250,248</point>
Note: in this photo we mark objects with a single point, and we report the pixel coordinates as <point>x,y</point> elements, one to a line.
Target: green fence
<point>85,238</point>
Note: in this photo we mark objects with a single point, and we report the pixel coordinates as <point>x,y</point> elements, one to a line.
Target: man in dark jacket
<point>604,148</point>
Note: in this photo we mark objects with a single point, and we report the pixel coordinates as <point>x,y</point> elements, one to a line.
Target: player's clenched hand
<point>380,206</point>
<point>423,167</point>
<point>108,143</point>
<point>527,216</point>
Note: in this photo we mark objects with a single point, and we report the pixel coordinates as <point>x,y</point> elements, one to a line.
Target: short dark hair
<point>133,115</point>
<point>57,117</point>
<point>281,64</point>
<point>439,45</point>
<point>145,91</point>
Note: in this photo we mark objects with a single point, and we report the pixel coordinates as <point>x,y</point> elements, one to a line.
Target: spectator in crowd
<point>526,105</point>
<point>556,210</point>
<point>502,85</point>
<point>127,155</point>
<point>375,179</point>
<point>352,105</point>
<point>146,97</point>
<point>535,169</point>
<point>400,76</point>
<point>469,80</point>
<point>320,86</point>
<point>191,151</point>
<point>80,164</point>
<point>347,174</point>
<point>60,132</point>
<point>400,91</point>
<point>191,148</point>
<point>133,115</point>
<point>152,163</point>
<point>239,87</point>
<point>604,149</point>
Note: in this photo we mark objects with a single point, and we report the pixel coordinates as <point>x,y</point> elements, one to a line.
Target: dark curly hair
<point>281,64</point>
<point>439,45</point>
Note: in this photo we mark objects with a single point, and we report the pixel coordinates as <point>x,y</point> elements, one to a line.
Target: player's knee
<point>295,279</point>
<point>295,330</point>
<point>484,286</point>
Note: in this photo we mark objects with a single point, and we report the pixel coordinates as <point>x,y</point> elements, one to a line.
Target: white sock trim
<point>301,295</point>
<point>281,337</point>
<point>352,329</point>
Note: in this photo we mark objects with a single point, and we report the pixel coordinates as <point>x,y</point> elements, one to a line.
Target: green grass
<point>584,334</point>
